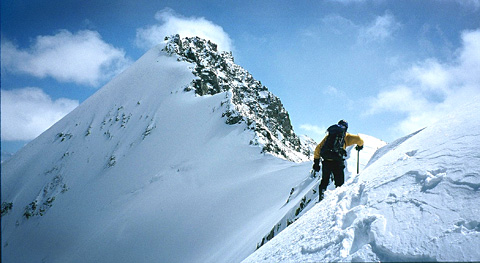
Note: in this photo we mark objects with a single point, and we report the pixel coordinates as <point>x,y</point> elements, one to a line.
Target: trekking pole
<point>358,161</point>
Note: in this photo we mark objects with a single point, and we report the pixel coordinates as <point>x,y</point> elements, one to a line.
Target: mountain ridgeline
<point>164,161</point>
<point>247,100</point>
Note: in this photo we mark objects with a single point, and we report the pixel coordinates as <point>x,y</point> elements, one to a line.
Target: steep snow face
<point>416,201</point>
<point>248,101</point>
<point>303,196</point>
<point>140,172</point>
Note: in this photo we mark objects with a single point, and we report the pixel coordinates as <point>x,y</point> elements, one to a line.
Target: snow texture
<point>145,171</point>
<point>416,201</point>
<point>304,195</point>
<point>161,166</point>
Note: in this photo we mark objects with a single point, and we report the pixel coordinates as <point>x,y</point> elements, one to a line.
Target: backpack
<point>333,147</point>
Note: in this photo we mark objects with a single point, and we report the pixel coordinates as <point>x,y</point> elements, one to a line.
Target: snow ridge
<point>416,201</point>
<point>304,195</point>
<point>143,170</point>
<point>247,100</point>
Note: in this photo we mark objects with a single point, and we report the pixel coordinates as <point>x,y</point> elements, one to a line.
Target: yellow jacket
<point>350,139</point>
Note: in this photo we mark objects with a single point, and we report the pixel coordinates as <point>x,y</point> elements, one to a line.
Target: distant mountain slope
<point>416,201</point>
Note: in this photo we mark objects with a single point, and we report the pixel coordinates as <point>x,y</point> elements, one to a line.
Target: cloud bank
<point>82,58</point>
<point>171,23</point>
<point>28,112</point>
<point>430,89</point>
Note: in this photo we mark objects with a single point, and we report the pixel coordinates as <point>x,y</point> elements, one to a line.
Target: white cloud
<point>83,58</point>
<point>468,71</point>
<point>171,23</point>
<point>430,90</point>
<point>28,112</point>
<point>382,28</point>
<point>400,99</point>
<point>314,131</point>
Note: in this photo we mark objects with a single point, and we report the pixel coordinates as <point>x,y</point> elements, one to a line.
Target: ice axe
<point>358,161</point>
<point>358,148</point>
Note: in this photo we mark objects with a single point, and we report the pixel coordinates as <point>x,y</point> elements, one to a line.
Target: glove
<point>358,147</point>
<point>316,165</point>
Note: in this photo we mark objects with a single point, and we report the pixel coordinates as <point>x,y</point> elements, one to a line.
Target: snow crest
<point>416,201</point>
<point>304,195</point>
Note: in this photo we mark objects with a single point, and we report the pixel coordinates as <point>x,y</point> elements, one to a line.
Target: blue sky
<point>387,67</point>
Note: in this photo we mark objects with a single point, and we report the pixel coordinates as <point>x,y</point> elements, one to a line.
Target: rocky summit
<point>246,99</point>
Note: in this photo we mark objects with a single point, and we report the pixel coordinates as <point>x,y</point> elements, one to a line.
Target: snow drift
<point>416,201</point>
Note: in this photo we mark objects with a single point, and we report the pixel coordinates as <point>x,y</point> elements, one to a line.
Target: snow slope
<point>145,171</point>
<point>416,201</point>
<point>304,195</point>
<point>142,172</point>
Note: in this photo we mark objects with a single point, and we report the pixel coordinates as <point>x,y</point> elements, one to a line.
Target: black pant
<point>329,167</point>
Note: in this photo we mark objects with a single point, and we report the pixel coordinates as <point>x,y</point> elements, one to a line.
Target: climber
<point>332,152</point>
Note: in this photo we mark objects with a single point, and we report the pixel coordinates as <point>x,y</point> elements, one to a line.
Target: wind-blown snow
<point>416,201</point>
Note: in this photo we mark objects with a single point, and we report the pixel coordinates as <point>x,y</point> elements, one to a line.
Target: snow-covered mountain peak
<point>247,100</point>
<point>143,170</point>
